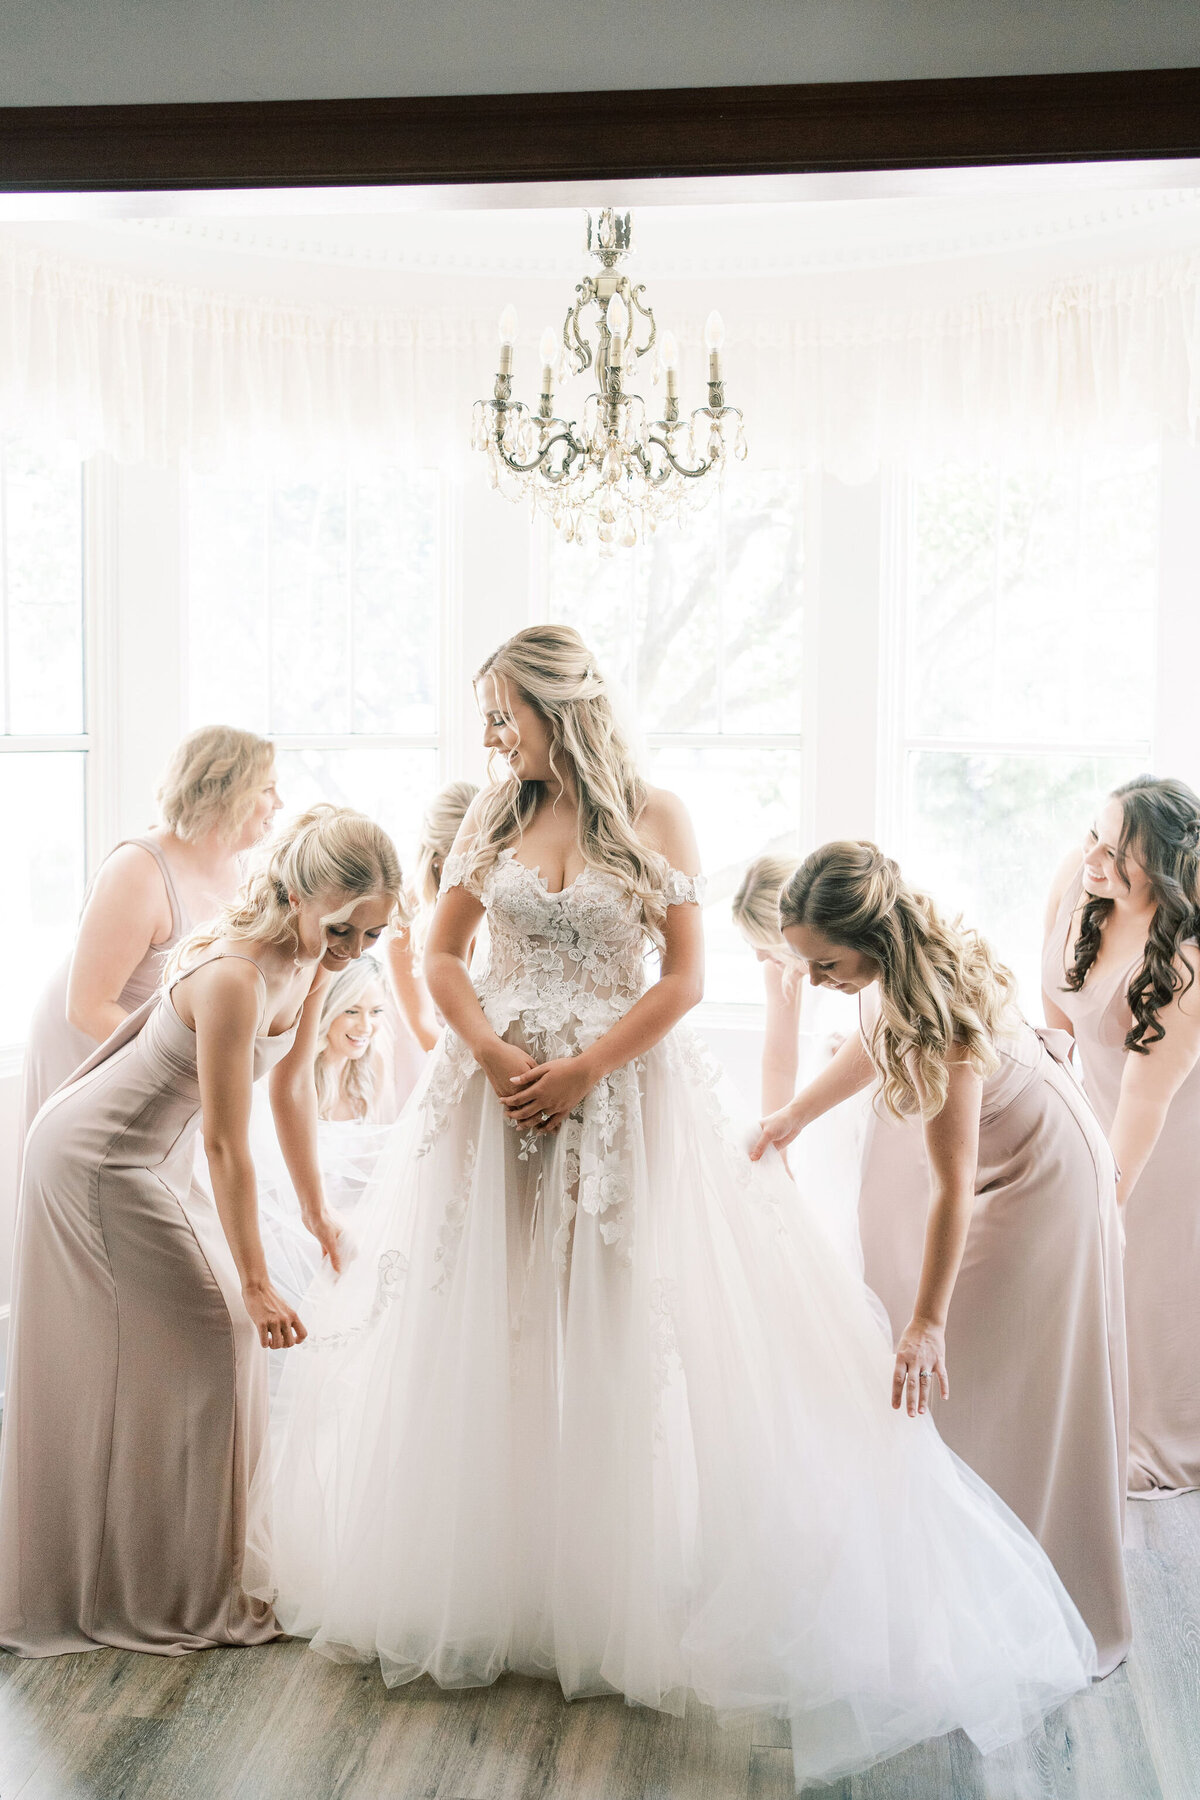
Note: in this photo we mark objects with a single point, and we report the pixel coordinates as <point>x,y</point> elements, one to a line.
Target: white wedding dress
<point>610,1407</point>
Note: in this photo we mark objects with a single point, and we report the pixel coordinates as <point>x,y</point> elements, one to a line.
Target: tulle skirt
<point>612,1408</point>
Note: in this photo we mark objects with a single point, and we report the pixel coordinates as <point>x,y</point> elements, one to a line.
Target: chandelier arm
<point>524,468</point>
<point>680,468</point>
<point>652,480</point>
<point>582,350</point>
<point>647,314</point>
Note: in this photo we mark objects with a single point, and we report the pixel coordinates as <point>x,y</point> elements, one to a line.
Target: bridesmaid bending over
<point>1119,971</point>
<point>997,1251</point>
<point>136,1413</point>
<point>216,798</point>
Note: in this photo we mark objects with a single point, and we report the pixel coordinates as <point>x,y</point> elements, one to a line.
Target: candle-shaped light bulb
<point>669,350</point>
<point>714,337</point>
<point>617,320</point>
<point>548,347</point>
<point>508,337</point>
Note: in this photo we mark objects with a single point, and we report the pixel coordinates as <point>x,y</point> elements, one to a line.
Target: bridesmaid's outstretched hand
<point>279,1328</point>
<point>920,1361</point>
<point>778,1129</point>
<point>328,1229</point>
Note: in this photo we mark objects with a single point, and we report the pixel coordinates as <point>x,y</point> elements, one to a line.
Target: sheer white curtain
<point>970,356</point>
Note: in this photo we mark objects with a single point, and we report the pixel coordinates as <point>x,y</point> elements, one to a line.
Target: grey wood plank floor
<point>278,1723</point>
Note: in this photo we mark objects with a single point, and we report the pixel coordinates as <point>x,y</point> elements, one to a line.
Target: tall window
<point>702,630</point>
<point>313,611</point>
<point>43,725</point>
<point>1025,679</point>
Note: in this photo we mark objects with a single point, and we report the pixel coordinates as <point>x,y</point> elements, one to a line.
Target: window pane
<point>651,616</point>
<point>1023,584</point>
<point>986,833</point>
<point>313,606</point>
<point>227,602</point>
<point>42,805</point>
<point>762,615</point>
<point>310,625</point>
<point>395,603</point>
<point>743,801</point>
<point>701,627</point>
<point>41,536</point>
<point>390,785</point>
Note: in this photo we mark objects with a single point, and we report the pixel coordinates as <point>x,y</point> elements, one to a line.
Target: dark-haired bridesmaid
<point>1120,970</point>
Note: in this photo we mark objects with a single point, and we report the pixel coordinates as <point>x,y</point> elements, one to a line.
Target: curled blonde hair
<point>360,1076</point>
<point>439,828</point>
<point>756,903</point>
<point>211,781</point>
<point>940,984</point>
<point>756,911</point>
<point>552,669</point>
<point>327,850</point>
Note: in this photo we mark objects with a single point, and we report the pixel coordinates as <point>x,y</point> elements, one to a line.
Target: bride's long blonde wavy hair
<point>552,669</point>
<point>940,985</point>
<point>327,850</point>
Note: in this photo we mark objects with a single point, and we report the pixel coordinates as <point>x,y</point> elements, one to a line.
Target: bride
<point>597,1399</point>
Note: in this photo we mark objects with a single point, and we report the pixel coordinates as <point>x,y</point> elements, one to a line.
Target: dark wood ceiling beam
<point>977,121</point>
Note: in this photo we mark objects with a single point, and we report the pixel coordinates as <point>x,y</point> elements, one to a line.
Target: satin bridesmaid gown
<point>136,1415</point>
<point>1035,1342</point>
<point>54,1048</point>
<point>1162,1229</point>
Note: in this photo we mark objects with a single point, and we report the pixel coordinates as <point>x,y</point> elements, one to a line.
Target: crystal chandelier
<point>619,474</point>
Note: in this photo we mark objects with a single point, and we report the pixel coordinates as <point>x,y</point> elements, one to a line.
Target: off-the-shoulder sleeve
<point>455,874</point>
<point>683,890</point>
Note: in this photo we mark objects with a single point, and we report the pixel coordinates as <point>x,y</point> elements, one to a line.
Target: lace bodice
<point>567,964</point>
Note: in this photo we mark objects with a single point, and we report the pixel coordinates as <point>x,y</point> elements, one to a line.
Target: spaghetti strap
<point>221,956</point>
<point>156,851</point>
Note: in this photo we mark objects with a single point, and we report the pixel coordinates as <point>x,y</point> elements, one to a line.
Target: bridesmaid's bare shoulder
<point>1066,873</point>
<point>130,881</point>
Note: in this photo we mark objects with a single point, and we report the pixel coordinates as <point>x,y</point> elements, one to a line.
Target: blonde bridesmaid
<point>352,1061</point>
<point>132,1460</point>
<point>216,798</point>
<point>988,1214</point>
<point>439,828</point>
<point>1120,966</point>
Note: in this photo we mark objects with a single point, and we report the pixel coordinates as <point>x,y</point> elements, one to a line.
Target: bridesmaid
<point>1120,965</point>
<point>136,1414</point>
<point>352,1065</point>
<point>439,828</point>
<point>216,798</point>
<point>756,915</point>
<point>997,1251</point>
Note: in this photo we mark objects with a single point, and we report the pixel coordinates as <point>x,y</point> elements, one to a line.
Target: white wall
<point>63,51</point>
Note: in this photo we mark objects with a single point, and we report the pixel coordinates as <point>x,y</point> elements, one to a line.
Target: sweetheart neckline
<point>535,869</point>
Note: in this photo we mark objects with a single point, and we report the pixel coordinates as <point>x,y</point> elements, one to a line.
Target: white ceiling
<point>369,256</point>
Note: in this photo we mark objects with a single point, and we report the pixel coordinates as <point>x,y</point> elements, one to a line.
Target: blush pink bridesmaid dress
<point>54,1048</point>
<point>136,1416</point>
<point>1035,1339</point>
<point>1162,1228</point>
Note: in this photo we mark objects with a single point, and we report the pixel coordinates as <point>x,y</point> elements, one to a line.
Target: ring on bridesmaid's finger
<point>924,1375</point>
<point>545,1116</point>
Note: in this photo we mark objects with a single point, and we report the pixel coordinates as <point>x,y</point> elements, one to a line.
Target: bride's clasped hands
<point>548,1092</point>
